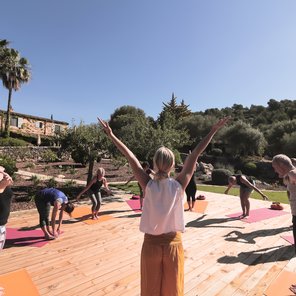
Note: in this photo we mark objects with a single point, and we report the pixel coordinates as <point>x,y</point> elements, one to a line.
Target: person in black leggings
<point>94,189</point>
<point>44,200</point>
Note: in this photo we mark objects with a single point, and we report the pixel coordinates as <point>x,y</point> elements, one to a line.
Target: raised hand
<point>107,129</point>
<point>220,123</point>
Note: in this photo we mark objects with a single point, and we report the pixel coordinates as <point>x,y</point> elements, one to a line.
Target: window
<point>13,121</point>
<point>39,124</point>
<point>57,129</point>
<point>16,121</point>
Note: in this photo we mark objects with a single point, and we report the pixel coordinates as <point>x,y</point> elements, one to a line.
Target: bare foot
<point>49,237</point>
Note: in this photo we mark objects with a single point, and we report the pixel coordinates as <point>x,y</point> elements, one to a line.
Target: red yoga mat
<point>134,205</point>
<point>259,215</point>
<point>32,238</point>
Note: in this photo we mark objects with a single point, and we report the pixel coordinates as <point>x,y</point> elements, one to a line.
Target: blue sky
<point>90,57</point>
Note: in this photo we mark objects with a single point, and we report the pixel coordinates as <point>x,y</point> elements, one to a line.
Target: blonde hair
<point>163,160</point>
<point>282,160</point>
<point>101,171</point>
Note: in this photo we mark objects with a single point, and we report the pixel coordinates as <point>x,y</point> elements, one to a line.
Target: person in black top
<point>190,192</point>
<point>5,203</point>
<point>246,186</point>
<point>94,189</point>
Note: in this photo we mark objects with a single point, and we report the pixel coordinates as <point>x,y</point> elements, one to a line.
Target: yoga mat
<point>84,215</point>
<point>101,219</point>
<point>81,213</point>
<point>18,283</point>
<point>259,215</point>
<point>280,286</point>
<point>288,238</point>
<point>32,238</point>
<point>199,206</point>
<point>134,205</point>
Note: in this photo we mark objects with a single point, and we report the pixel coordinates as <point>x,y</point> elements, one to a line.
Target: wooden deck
<point>223,256</point>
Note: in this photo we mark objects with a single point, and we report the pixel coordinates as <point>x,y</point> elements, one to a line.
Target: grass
<point>280,196</point>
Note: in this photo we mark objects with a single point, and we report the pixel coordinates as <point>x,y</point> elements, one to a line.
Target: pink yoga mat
<point>259,215</point>
<point>134,205</point>
<point>288,238</point>
<point>32,238</point>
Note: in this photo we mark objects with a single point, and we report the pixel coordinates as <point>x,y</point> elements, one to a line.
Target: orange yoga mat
<point>84,214</point>
<point>199,206</point>
<point>18,283</point>
<point>81,213</point>
<point>280,286</point>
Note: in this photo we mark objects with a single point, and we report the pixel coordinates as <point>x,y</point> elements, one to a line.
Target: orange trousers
<point>162,265</point>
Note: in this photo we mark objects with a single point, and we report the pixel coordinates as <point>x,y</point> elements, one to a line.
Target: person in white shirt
<point>162,220</point>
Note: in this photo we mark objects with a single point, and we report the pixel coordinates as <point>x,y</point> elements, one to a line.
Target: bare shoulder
<point>292,176</point>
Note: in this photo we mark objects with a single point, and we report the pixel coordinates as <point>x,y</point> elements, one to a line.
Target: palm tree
<point>14,71</point>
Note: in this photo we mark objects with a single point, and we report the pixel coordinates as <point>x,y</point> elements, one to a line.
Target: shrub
<point>49,156</point>
<point>13,142</point>
<point>52,182</point>
<point>220,176</point>
<point>216,152</point>
<point>9,164</point>
<point>36,181</point>
<point>250,168</point>
<point>30,165</point>
<point>69,184</point>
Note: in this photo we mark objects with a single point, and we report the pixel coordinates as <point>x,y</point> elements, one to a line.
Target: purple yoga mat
<point>288,238</point>
<point>259,215</point>
<point>134,205</point>
<point>32,238</point>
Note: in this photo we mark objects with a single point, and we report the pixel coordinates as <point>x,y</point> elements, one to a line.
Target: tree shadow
<point>198,223</point>
<point>272,254</point>
<point>249,238</point>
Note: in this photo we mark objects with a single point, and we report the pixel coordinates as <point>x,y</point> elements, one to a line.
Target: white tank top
<point>163,209</point>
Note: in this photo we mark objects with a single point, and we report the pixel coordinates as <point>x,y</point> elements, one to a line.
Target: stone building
<point>32,125</point>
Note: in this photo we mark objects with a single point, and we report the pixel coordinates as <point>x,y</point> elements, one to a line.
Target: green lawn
<point>280,196</point>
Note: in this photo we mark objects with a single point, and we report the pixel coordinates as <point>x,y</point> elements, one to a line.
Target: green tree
<point>275,134</point>
<point>142,134</point>
<point>14,71</point>
<point>86,143</point>
<point>241,139</point>
<point>175,110</point>
<point>289,144</point>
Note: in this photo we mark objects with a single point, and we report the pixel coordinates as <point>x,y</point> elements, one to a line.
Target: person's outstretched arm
<point>189,164</point>
<point>228,188</point>
<point>138,171</point>
<point>93,180</point>
<point>245,181</point>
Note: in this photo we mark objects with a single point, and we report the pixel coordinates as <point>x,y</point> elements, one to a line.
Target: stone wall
<point>33,153</point>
